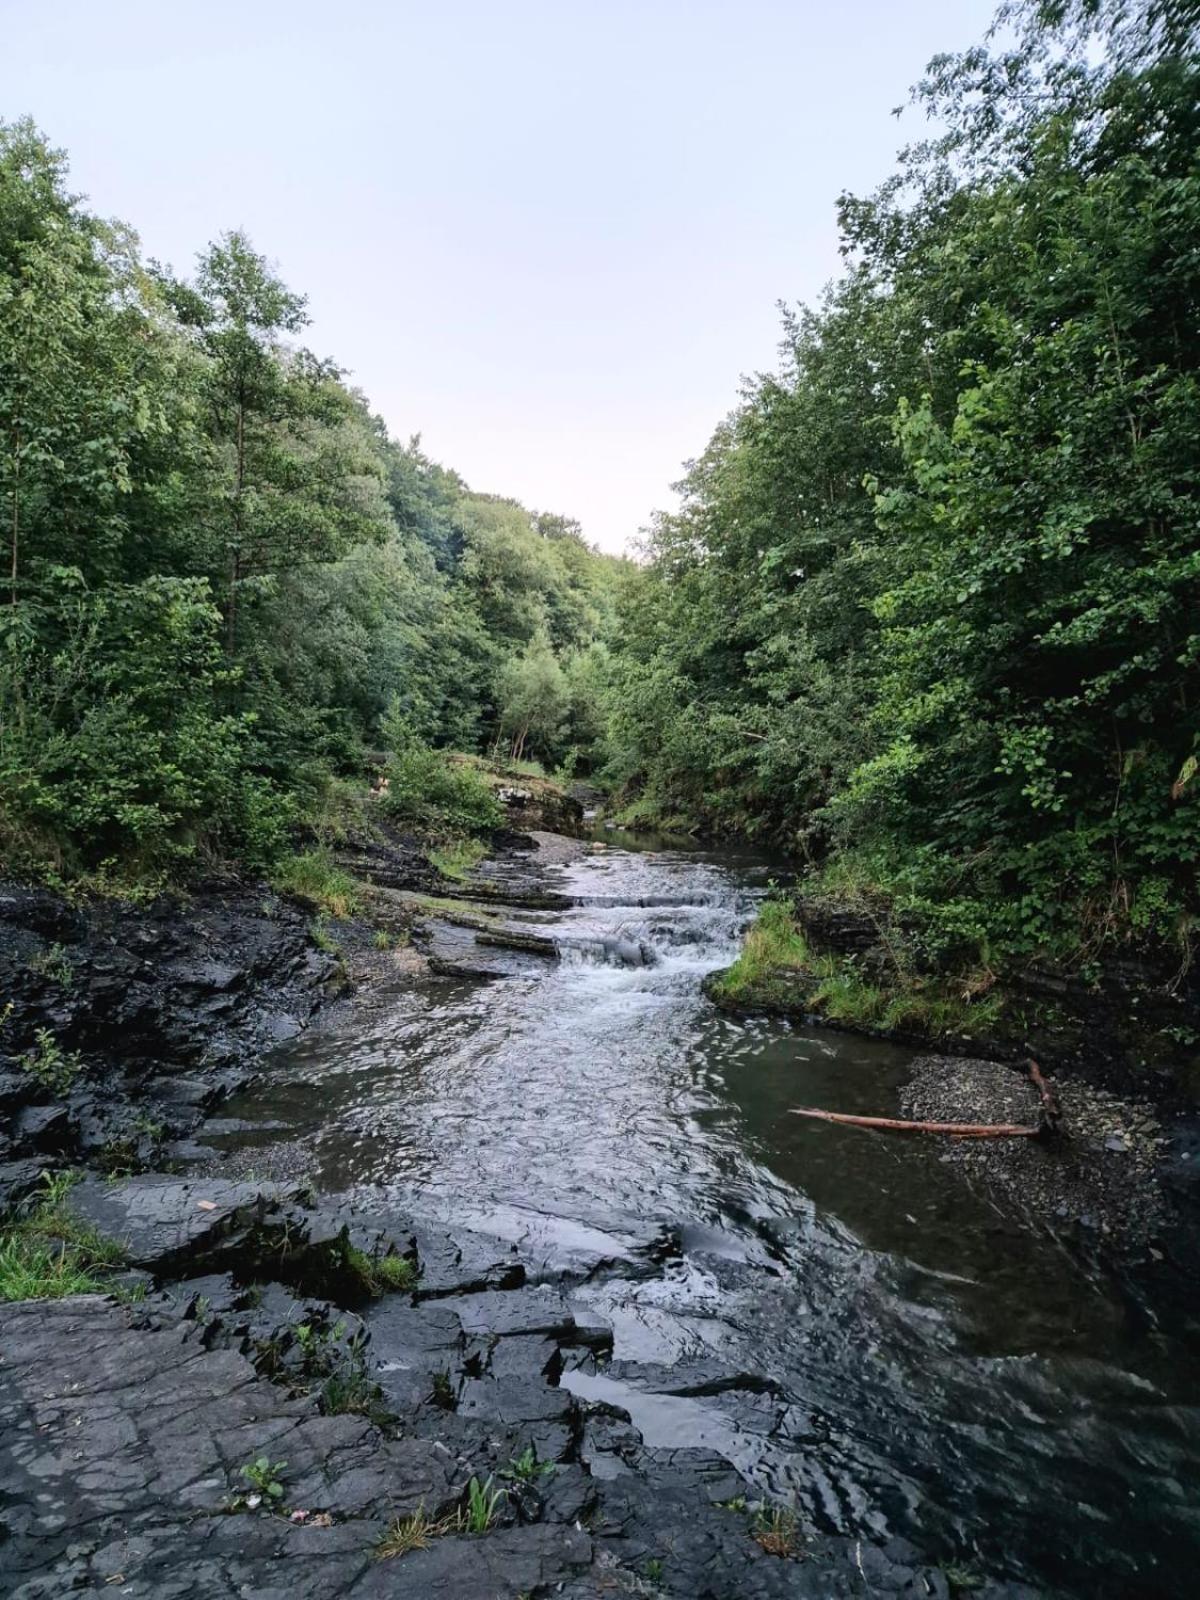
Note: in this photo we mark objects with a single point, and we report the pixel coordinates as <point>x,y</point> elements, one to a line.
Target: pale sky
<point>548,235</point>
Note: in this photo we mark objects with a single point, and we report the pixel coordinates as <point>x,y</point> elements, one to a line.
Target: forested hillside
<point>929,612</point>
<point>221,574</point>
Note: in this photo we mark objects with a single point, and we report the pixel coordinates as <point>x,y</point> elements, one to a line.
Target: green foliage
<point>54,1068</point>
<point>53,962</point>
<point>929,601</point>
<point>432,791</point>
<point>526,1468</point>
<point>313,876</point>
<point>218,571</point>
<point>264,1478</point>
<point>382,1274</point>
<point>47,1253</point>
<point>777,965</point>
<point>457,859</point>
<point>483,1501</point>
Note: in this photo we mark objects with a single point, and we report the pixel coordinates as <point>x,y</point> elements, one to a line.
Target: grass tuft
<point>778,967</point>
<point>458,858</point>
<point>312,875</point>
<point>47,1253</point>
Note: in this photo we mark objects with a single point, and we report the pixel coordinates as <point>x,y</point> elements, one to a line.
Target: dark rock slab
<point>164,1222</point>
<point>115,1438</point>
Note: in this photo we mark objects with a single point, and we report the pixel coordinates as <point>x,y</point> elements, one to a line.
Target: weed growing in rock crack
<point>526,1468</point>
<point>962,1579</point>
<point>348,1389</point>
<point>654,1570</point>
<point>412,1533</point>
<point>479,1513</point>
<point>265,1478</point>
<point>53,962</point>
<point>129,1294</point>
<point>318,932</point>
<point>738,1503</point>
<point>54,1068</point>
<point>777,1530</point>
<point>382,939</point>
<point>443,1391</point>
<point>382,1274</point>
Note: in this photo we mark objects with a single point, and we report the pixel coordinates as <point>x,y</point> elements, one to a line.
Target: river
<point>836,1311</point>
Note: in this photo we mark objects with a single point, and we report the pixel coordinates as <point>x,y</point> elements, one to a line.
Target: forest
<point>926,618</point>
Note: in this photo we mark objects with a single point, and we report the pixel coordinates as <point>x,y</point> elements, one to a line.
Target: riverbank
<point>1118,1169</point>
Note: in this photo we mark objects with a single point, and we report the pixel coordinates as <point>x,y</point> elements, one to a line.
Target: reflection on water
<point>923,1365</point>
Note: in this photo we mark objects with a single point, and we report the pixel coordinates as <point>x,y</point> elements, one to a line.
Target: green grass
<point>311,875</point>
<point>46,1252</point>
<point>778,966</point>
<point>458,858</point>
<point>774,953</point>
<point>416,1532</point>
<point>382,1274</point>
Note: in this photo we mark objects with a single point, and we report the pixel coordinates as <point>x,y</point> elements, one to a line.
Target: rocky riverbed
<point>586,1351</point>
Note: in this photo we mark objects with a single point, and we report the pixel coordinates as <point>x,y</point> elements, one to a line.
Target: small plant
<point>776,1529</point>
<point>318,932</point>
<point>479,1513</point>
<point>54,1068</point>
<point>654,1570</point>
<point>738,1503</point>
<point>265,1478</point>
<point>382,1274</point>
<point>962,1579</point>
<point>382,939</point>
<point>443,1391</point>
<point>526,1468</point>
<point>458,859</point>
<point>411,1533</point>
<point>53,962</point>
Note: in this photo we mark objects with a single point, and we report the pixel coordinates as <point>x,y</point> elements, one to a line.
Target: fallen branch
<point>1051,1110</point>
<point>956,1130</point>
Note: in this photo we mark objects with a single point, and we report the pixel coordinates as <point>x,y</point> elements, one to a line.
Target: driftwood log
<point>1049,1118</point>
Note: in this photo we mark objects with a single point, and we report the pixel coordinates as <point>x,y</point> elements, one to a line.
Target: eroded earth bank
<point>472,1252</point>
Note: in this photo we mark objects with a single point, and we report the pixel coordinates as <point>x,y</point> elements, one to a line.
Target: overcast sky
<point>549,237</point>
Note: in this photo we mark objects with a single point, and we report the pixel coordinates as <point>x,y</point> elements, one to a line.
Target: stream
<point>835,1311</point>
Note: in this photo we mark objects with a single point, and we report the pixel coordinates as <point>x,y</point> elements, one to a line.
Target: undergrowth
<point>778,966</point>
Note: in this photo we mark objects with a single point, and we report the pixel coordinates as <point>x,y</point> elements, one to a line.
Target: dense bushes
<point>929,611</point>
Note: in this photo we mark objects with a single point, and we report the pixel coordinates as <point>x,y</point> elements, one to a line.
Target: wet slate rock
<point>115,1437</point>
<point>534,1310</point>
<point>164,1222</point>
<point>524,1413</point>
<point>412,1348</point>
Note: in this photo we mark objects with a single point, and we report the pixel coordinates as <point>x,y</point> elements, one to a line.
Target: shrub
<point>430,790</point>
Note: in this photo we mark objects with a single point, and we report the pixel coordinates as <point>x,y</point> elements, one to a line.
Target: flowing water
<point>838,1313</point>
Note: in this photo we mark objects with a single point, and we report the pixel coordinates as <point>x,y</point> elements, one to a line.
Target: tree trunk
<point>235,559</point>
<point>15,530</point>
